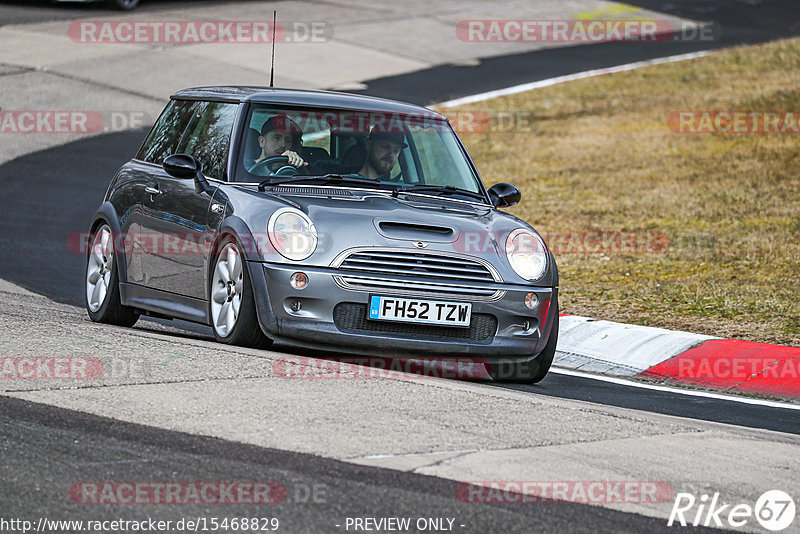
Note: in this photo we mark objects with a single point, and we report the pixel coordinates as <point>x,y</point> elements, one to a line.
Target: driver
<point>280,136</point>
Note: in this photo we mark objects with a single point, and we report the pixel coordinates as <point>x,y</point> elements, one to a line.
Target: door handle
<point>152,190</point>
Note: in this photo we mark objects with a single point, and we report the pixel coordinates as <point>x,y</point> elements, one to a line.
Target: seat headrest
<point>356,155</point>
<point>251,148</point>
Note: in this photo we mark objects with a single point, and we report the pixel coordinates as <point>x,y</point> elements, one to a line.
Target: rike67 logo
<point>774,510</point>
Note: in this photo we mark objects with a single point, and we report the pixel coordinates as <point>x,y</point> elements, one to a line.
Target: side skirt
<point>164,304</point>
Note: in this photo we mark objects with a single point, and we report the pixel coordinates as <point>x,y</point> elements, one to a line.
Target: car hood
<point>348,220</point>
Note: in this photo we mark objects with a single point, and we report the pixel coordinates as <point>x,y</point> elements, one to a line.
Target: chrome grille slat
<point>423,274</point>
<point>418,273</point>
<point>354,263</point>
<point>423,265</point>
<point>411,256</point>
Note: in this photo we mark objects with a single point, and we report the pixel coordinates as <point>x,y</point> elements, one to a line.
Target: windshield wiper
<point>442,189</point>
<point>325,179</point>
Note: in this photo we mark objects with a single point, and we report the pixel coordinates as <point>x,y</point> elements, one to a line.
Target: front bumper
<point>334,318</point>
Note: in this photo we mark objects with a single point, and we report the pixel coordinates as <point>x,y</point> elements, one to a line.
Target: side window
<point>208,136</point>
<point>163,138</point>
<point>437,165</point>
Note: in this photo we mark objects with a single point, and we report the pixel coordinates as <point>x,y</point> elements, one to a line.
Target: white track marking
<point>680,391</point>
<point>435,453</point>
<point>568,78</point>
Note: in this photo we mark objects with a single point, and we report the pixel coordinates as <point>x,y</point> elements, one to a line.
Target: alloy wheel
<point>226,293</point>
<point>98,269</point>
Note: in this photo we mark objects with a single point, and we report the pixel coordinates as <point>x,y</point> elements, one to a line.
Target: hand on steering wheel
<point>274,166</point>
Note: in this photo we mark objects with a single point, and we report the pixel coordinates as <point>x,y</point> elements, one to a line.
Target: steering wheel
<point>275,166</point>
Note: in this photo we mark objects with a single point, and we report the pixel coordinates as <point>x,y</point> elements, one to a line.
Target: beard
<point>381,165</point>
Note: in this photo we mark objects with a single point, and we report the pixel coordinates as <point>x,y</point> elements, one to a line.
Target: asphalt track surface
<point>51,195</point>
<point>47,449</point>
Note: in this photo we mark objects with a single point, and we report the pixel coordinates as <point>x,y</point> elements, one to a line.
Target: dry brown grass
<point>601,157</point>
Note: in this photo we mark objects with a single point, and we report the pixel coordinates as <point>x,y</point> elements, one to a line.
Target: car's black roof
<point>326,99</point>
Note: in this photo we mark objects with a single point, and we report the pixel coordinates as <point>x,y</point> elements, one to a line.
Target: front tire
<point>532,371</point>
<point>231,301</point>
<point>102,297</point>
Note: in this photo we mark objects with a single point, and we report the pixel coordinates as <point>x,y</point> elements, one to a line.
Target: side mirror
<point>504,195</point>
<point>182,166</point>
<point>185,167</point>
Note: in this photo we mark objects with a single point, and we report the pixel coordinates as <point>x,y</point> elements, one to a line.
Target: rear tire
<point>101,297</point>
<point>532,371</point>
<point>231,301</point>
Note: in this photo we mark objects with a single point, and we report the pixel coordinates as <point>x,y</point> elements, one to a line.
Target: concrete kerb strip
<point>618,349</point>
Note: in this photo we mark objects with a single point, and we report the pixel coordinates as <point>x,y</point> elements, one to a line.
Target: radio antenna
<point>272,66</point>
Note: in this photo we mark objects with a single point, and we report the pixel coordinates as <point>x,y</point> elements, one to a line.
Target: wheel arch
<point>554,269</point>
<point>108,215</point>
<point>238,229</point>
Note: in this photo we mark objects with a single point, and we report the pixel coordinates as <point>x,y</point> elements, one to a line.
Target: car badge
<point>420,244</point>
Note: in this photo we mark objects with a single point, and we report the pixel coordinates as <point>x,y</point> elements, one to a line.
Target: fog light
<point>298,281</point>
<point>531,300</point>
<point>296,306</point>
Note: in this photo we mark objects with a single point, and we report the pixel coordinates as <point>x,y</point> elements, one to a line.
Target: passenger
<point>382,147</point>
<point>280,136</point>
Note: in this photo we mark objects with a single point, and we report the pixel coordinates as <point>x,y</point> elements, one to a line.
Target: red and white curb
<point>731,365</point>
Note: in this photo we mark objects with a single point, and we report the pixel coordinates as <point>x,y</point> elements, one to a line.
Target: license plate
<point>420,311</point>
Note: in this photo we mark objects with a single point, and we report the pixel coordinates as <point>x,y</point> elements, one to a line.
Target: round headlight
<point>526,254</point>
<point>292,234</point>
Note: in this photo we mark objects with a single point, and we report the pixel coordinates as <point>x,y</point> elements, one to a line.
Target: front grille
<point>420,265</point>
<point>412,273</point>
<point>352,318</point>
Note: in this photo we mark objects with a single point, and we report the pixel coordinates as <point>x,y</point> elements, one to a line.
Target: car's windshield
<point>395,150</point>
